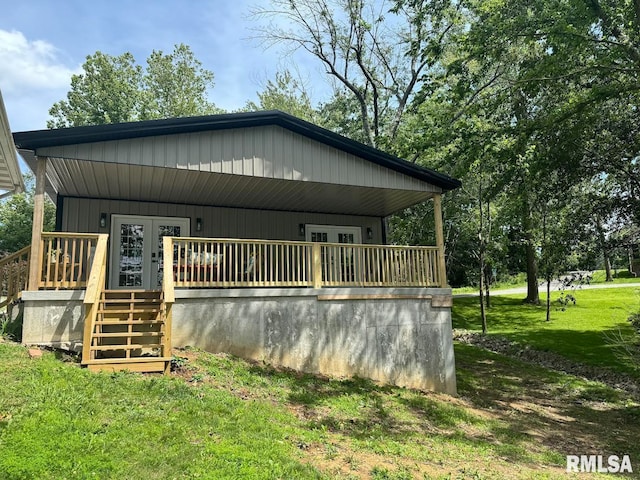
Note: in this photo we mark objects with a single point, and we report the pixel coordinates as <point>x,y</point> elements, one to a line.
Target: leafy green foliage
<point>115,89</point>
<point>16,219</point>
<point>286,94</point>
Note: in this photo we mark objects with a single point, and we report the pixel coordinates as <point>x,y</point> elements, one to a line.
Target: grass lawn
<point>519,281</point>
<point>220,417</point>
<point>583,332</point>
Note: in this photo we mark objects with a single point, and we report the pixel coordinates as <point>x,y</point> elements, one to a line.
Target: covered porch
<point>247,227</point>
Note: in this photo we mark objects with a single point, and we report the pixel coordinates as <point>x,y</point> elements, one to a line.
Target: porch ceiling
<point>10,176</point>
<point>80,178</point>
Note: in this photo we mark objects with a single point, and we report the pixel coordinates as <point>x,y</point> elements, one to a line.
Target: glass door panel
<point>129,257</point>
<point>136,252</point>
<point>165,228</point>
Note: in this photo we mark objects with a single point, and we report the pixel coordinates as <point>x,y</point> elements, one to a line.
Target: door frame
<point>332,232</point>
<point>147,264</point>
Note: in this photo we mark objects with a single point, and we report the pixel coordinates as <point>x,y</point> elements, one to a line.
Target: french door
<point>338,263</point>
<point>136,249</point>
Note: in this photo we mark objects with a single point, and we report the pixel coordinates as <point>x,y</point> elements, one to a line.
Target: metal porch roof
<point>265,160</point>
<point>32,140</point>
<point>10,176</point>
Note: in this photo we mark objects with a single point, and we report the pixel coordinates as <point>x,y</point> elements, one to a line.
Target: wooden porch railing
<point>95,285</point>
<point>224,262</point>
<point>347,265</point>
<point>66,259</point>
<point>14,275</point>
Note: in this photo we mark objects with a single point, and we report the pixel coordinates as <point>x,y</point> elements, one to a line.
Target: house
<point>256,234</point>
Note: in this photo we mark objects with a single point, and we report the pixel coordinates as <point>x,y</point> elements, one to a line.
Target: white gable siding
<point>269,152</point>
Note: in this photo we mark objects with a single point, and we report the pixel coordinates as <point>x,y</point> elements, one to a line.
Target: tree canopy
<point>115,89</point>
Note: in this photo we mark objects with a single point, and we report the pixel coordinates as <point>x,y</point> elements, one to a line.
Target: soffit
<point>77,178</point>
<point>10,176</point>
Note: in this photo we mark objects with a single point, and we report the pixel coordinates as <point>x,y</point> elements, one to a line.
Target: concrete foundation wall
<point>53,318</point>
<point>397,336</point>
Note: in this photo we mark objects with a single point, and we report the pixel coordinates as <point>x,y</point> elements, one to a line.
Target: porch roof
<point>268,160</point>
<point>10,176</point>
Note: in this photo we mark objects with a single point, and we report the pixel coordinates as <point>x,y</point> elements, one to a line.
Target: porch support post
<point>35,260</point>
<point>437,211</point>
<point>317,266</point>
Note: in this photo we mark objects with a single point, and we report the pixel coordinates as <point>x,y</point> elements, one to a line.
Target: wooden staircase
<point>130,332</point>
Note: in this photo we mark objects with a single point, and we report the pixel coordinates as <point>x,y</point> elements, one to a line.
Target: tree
<point>16,218</point>
<point>107,92</point>
<point>175,85</point>
<point>378,52</point>
<point>116,89</point>
<point>286,94</point>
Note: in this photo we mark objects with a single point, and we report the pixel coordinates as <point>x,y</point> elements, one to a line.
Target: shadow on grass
<point>507,407</point>
<point>560,411</point>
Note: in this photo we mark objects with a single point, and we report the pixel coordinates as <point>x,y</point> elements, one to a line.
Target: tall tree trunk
<point>548,269</point>
<point>487,284</point>
<point>548,297</point>
<point>606,254</point>
<point>483,313</point>
<point>487,266</point>
<point>607,266</point>
<point>533,296</point>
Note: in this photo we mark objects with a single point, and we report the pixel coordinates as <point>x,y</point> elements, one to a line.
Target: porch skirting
<point>400,336</point>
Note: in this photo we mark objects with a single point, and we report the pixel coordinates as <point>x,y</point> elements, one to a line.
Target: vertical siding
<point>270,152</point>
<point>83,215</point>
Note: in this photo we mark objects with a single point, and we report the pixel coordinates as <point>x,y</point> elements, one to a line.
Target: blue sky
<point>44,42</point>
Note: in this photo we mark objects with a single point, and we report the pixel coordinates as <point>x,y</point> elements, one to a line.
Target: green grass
<point>520,281</point>
<point>583,332</point>
<point>226,418</point>
<point>623,276</point>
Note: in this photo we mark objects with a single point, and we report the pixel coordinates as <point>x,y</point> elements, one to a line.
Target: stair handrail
<point>95,286</point>
<point>16,279</point>
<point>168,294</point>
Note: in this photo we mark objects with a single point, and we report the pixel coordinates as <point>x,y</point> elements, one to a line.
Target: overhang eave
<point>182,186</point>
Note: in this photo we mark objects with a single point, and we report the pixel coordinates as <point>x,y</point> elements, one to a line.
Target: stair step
<point>129,310</point>
<point>140,364</point>
<point>128,322</point>
<point>127,334</point>
<point>129,301</point>
<point>103,348</point>
<point>127,360</point>
<point>135,291</point>
<point>135,310</point>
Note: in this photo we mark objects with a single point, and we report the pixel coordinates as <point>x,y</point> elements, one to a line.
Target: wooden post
<point>317,266</point>
<point>437,211</point>
<point>35,264</point>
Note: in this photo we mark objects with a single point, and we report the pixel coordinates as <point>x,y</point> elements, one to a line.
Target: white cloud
<point>28,65</point>
<point>33,76</point>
